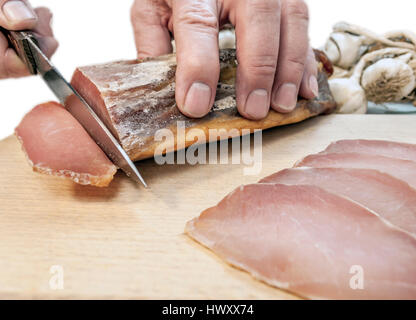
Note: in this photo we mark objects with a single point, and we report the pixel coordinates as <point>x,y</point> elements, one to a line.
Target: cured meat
<point>390,149</point>
<point>137,98</point>
<point>56,144</point>
<point>311,242</point>
<point>389,197</point>
<point>401,169</point>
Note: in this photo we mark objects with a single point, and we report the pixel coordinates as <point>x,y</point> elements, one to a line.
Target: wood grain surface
<point>128,242</point>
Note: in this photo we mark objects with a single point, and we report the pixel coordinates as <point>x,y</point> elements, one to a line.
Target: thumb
<point>17,15</point>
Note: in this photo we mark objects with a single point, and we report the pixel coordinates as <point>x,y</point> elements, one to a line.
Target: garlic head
<point>349,96</point>
<point>227,39</point>
<point>344,49</point>
<point>388,80</point>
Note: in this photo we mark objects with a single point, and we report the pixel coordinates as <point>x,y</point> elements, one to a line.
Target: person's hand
<point>275,62</point>
<point>19,15</point>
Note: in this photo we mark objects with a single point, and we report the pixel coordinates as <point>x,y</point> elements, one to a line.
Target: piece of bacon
<point>404,151</point>
<point>391,198</point>
<point>401,169</point>
<point>311,242</point>
<point>56,144</point>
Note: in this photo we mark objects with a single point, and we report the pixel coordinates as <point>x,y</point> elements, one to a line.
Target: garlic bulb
<point>388,80</point>
<point>386,73</point>
<point>405,36</point>
<point>344,49</point>
<point>349,96</point>
<point>340,73</point>
<point>370,72</point>
<point>348,43</point>
<point>227,39</point>
<point>391,39</point>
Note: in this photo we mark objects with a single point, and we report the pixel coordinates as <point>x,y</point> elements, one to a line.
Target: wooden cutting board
<point>128,242</point>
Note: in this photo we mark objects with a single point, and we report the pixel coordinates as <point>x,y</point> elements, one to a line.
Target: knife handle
<point>18,40</point>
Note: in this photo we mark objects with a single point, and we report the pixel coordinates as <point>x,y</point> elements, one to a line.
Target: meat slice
<point>136,99</point>
<point>390,149</point>
<point>391,198</point>
<point>311,242</point>
<point>56,144</point>
<point>401,169</point>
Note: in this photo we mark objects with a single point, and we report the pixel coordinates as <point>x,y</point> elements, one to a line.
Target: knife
<point>26,46</point>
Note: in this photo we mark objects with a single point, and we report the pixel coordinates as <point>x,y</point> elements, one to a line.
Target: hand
<point>275,60</point>
<point>19,15</point>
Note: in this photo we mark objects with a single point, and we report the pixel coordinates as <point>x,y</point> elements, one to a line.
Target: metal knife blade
<point>77,106</point>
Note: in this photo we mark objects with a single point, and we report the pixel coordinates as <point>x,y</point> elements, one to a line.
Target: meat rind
<point>309,241</point>
<point>56,144</point>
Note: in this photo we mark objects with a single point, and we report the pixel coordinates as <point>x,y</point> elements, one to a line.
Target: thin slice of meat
<point>390,149</point>
<point>56,144</point>
<point>391,198</point>
<point>401,169</point>
<point>311,242</point>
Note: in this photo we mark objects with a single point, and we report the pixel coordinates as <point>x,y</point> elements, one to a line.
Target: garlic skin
<point>332,51</point>
<point>410,37</point>
<point>349,96</point>
<point>348,43</point>
<point>371,67</point>
<point>388,80</point>
<point>344,49</point>
<point>398,39</point>
<point>227,39</point>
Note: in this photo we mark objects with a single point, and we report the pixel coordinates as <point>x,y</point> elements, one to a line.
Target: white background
<point>93,31</point>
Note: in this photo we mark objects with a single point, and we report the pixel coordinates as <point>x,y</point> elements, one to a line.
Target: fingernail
<point>197,102</point>
<point>286,97</point>
<point>17,11</point>
<point>257,105</point>
<point>313,85</point>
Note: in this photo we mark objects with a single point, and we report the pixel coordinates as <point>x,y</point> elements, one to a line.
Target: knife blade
<point>26,47</point>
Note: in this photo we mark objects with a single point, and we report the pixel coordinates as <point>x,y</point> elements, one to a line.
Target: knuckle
<point>145,12</point>
<point>261,65</point>
<point>195,64</point>
<point>298,9</point>
<point>296,65</point>
<point>261,11</point>
<point>264,6</point>
<point>291,70</point>
<point>138,14</point>
<point>197,16</point>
